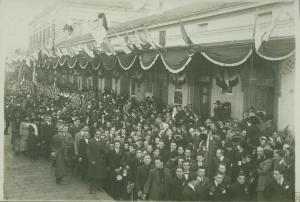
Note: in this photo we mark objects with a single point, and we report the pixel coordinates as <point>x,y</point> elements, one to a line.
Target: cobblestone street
<point>26,180</point>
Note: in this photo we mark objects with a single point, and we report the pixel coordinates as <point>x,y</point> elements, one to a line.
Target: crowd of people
<point>143,150</point>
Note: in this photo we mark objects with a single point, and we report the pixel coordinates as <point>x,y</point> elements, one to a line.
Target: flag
<point>256,33</point>
<point>267,35</point>
<point>98,28</point>
<point>185,36</point>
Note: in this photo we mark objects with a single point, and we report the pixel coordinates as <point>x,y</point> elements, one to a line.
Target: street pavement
<point>26,180</point>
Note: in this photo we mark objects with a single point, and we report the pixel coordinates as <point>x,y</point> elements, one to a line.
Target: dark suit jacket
<point>134,163</point>
<point>202,189</point>
<point>82,149</point>
<point>239,192</point>
<point>277,192</point>
<point>97,151</point>
<point>217,162</point>
<point>264,175</point>
<point>252,135</point>
<point>175,188</point>
<point>141,176</point>
<point>154,189</point>
<point>218,193</point>
<point>188,194</point>
<point>47,132</point>
<point>115,160</point>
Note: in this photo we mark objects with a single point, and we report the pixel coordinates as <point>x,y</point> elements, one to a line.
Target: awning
<point>277,49</point>
<point>230,55</point>
<point>175,59</point>
<point>126,60</point>
<point>148,59</point>
<point>108,61</point>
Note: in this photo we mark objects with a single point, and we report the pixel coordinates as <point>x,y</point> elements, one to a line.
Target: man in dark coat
<point>96,153</point>
<point>217,111</point>
<point>279,188</point>
<point>218,190</point>
<point>176,185</point>
<point>157,181</point>
<point>82,155</point>
<point>239,191</point>
<point>189,192</point>
<point>58,148</point>
<point>76,127</point>
<point>115,167</point>
<point>142,175</point>
<point>48,130</point>
<point>202,187</point>
<point>252,135</point>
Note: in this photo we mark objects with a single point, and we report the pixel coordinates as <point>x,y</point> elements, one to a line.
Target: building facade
<point>47,28</point>
<point>230,70</point>
<point>220,24</point>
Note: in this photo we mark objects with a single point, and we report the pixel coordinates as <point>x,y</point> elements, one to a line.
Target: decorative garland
<point>73,65</point>
<point>230,64</point>
<point>176,70</point>
<point>150,65</point>
<point>275,59</point>
<point>126,68</point>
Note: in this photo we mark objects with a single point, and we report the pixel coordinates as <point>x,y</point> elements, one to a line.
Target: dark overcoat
<point>58,146</point>
<point>96,152</point>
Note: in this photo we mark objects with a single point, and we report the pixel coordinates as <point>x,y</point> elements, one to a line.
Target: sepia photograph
<point>149,100</point>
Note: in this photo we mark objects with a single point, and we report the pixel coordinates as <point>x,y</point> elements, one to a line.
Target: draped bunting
<point>71,61</point>
<point>83,61</point>
<point>176,59</point>
<point>148,58</point>
<point>277,49</point>
<point>108,61</point>
<point>228,55</point>
<point>126,60</point>
<point>96,62</point>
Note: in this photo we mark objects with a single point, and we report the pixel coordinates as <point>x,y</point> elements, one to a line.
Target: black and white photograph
<point>149,100</point>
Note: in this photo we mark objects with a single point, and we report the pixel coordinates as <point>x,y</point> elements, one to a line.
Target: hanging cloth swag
<point>228,55</point>
<point>277,49</point>
<point>175,59</point>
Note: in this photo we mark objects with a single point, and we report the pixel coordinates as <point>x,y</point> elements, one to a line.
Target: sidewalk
<point>26,180</point>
